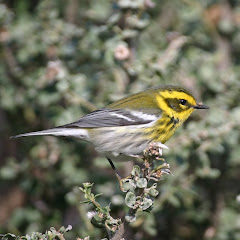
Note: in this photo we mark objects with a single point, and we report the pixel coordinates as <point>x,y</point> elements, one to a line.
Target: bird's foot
<point>122,181</point>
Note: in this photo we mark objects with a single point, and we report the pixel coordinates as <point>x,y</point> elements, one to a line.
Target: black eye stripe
<point>175,104</point>
<point>183,101</point>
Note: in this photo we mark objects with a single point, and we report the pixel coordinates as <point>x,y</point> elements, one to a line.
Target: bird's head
<point>177,102</point>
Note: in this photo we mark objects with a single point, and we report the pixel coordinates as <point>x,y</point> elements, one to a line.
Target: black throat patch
<point>174,120</point>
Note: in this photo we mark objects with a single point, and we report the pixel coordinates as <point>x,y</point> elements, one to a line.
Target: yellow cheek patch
<point>163,105</point>
<point>182,116</point>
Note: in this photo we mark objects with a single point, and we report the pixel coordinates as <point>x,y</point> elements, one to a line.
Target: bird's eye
<point>182,101</point>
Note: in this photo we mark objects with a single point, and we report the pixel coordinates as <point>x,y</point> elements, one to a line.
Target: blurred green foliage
<point>61,59</point>
<point>52,234</point>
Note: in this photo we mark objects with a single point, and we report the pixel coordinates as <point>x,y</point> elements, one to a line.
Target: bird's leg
<point>120,180</point>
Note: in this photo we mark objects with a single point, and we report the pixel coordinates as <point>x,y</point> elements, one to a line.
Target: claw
<point>121,181</point>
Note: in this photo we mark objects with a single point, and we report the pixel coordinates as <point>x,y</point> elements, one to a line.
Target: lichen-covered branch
<point>141,187</point>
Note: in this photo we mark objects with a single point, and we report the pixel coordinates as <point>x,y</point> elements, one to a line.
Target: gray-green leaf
<point>130,199</point>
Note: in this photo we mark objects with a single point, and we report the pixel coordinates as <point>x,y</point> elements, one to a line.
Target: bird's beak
<point>200,106</point>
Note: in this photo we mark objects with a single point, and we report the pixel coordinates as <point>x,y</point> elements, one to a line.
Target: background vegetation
<point>61,59</point>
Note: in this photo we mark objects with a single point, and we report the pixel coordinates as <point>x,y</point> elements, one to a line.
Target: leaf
<point>146,203</point>
<point>130,199</point>
<point>153,192</point>
<point>142,183</point>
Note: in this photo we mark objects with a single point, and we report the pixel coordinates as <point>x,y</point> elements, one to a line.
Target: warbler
<point>123,129</point>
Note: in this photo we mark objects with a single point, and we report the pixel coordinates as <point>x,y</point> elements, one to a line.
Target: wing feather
<point>113,117</point>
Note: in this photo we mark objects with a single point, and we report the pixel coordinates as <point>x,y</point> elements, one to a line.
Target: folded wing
<point>100,118</point>
<point>113,117</point>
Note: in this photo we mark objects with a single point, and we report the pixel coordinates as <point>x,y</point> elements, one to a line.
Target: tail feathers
<point>71,132</point>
